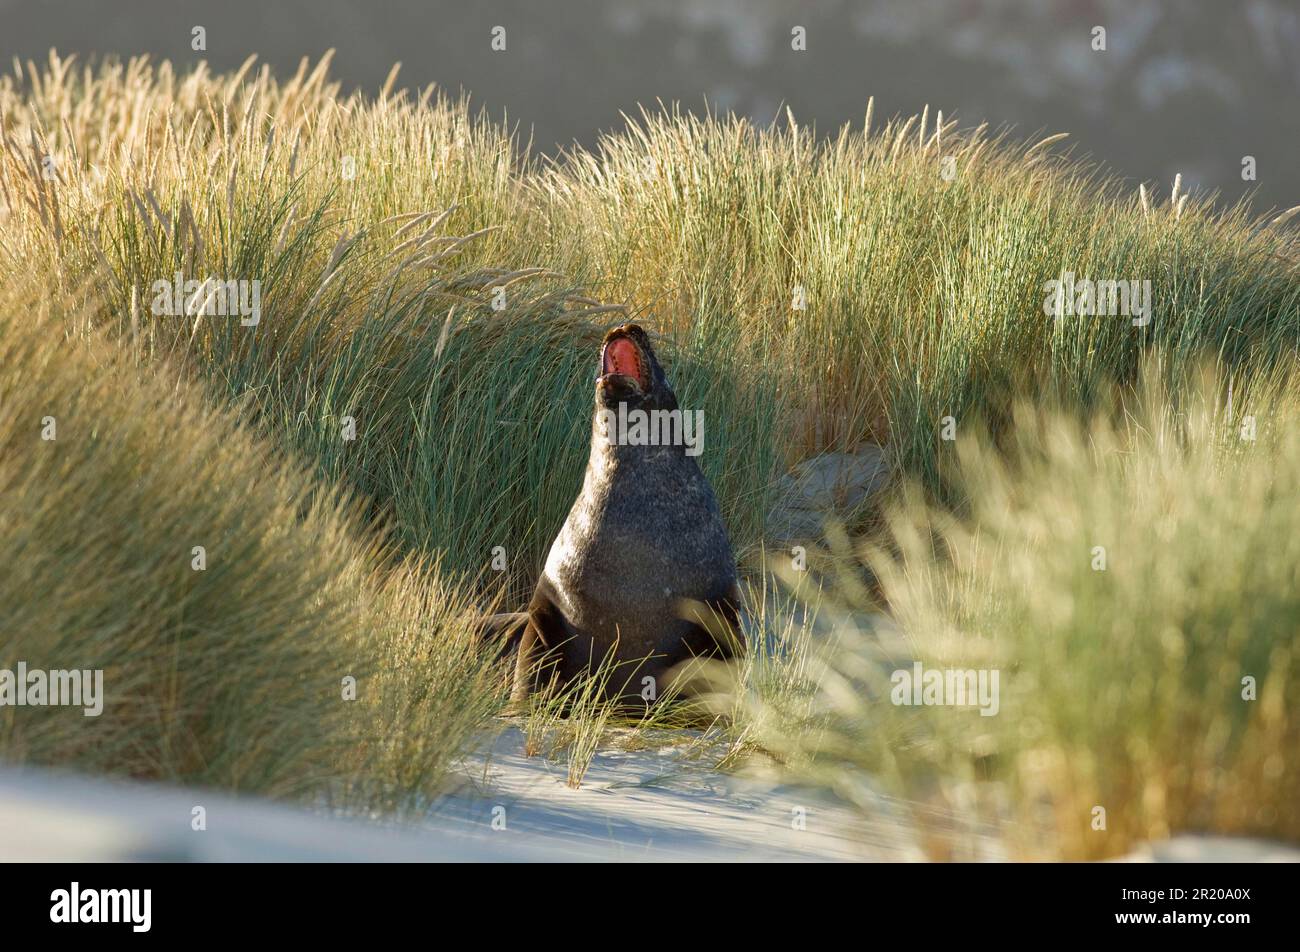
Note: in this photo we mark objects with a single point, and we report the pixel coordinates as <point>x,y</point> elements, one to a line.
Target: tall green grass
<point>410,298</point>
<point>923,282</point>
<point>920,252</point>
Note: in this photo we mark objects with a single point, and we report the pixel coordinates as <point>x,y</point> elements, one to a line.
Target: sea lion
<point>641,574</point>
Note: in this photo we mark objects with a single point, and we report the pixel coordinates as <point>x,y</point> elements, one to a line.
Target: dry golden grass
<point>1135,585</point>
<point>226,667</point>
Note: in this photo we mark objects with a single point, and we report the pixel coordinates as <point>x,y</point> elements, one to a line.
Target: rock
<point>834,481</point>
<point>829,485</point>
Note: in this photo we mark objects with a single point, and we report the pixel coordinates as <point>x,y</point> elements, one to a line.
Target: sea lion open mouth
<point>621,356</point>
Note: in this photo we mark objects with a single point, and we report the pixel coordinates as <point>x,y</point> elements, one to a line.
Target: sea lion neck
<point>627,437</point>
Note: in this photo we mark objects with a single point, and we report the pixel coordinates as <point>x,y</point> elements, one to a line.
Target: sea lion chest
<point>638,541</point>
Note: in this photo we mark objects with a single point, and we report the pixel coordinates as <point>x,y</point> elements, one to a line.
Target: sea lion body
<point>641,575</point>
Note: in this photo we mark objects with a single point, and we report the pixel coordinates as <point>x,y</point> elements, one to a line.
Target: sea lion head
<point>630,374</point>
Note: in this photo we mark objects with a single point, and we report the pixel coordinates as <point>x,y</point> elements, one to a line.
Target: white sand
<point>657,804</point>
<point>661,804</point>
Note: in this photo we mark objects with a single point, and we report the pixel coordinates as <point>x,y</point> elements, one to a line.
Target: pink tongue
<point>621,358</point>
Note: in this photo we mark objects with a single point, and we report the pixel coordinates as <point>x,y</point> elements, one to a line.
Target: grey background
<point>1186,86</point>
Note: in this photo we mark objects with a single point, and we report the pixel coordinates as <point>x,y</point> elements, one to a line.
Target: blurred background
<point>1186,86</point>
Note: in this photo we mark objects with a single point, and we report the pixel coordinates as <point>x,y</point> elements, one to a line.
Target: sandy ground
<point>660,803</point>
<point>657,803</point>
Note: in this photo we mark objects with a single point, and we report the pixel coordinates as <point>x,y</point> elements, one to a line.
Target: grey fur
<point>642,567</point>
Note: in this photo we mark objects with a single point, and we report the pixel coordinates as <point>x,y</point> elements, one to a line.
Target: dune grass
<point>413,403</point>
<point>226,596</point>
<point>811,293</point>
<point>1135,586</point>
<point>919,252</point>
<point>409,298</point>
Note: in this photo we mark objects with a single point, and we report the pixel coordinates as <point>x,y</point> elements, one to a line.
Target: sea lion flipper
<point>542,647</point>
<point>532,649</point>
<point>504,630</point>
